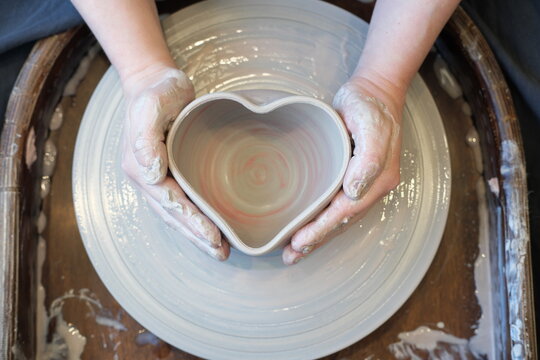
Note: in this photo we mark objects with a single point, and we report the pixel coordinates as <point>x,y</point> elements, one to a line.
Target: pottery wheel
<point>255,307</point>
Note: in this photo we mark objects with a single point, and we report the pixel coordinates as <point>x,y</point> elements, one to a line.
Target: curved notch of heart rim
<point>266,103</point>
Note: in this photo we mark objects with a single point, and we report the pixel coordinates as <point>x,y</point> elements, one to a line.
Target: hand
<point>372,172</point>
<point>154,98</point>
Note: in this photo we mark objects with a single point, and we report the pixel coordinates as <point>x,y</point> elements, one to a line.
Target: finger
<point>220,253</point>
<point>172,199</point>
<point>373,156</point>
<point>336,214</point>
<point>151,154</point>
<point>291,256</point>
<point>340,214</point>
<point>360,175</point>
<point>149,116</point>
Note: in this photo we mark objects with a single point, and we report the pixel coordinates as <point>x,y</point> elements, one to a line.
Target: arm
<point>155,91</point>
<point>399,38</point>
<point>129,32</point>
<point>371,102</point>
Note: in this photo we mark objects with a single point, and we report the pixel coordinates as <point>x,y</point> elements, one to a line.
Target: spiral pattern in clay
<point>258,171</point>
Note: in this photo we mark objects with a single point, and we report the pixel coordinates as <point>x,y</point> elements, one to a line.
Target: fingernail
<point>356,189</point>
<point>307,249</point>
<point>295,261</point>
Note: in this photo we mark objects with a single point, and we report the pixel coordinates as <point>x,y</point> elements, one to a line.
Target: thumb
<point>361,173</point>
<point>149,116</point>
<point>372,128</point>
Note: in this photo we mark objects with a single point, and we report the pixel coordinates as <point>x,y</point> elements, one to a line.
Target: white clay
<point>30,155</point>
<point>80,73</point>
<point>145,337</point>
<point>49,158</point>
<point>45,186</point>
<point>57,118</point>
<point>494,186</point>
<point>424,339</point>
<point>69,336</point>
<point>473,141</point>
<point>446,79</point>
<point>66,341</point>
<point>483,341</point>
<point>106,321</point>
<point>170,202</point>
<point>154,172</point>
<point>307,249</point>
<point>415,343</point>
<point>41,222</point>
<point>515,246</point>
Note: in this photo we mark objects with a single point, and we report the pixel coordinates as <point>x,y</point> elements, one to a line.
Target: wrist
<point>391,93</point>
<point>136,79</point>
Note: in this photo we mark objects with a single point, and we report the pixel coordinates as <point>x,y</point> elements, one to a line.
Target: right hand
<point>154,98</point>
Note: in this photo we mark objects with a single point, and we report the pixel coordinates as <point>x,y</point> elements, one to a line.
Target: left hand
<point>373,170</point>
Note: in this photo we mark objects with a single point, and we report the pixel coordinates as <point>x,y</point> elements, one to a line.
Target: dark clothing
<point>25,21</point>
<point>511,29</point>
<point>22,22</point>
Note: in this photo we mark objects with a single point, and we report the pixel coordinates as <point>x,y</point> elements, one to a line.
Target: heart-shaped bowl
<point>260,164</point>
